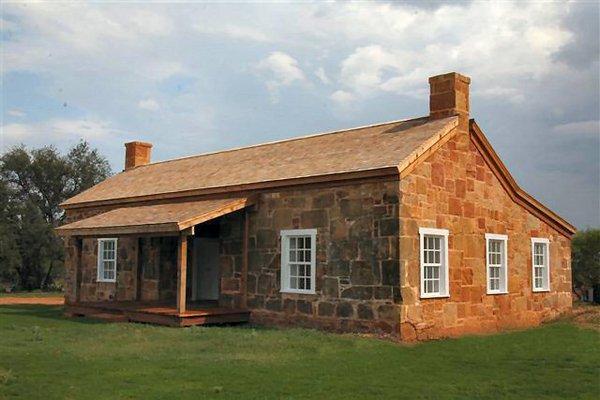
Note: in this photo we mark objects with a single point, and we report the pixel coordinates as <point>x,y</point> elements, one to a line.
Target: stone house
<point>413,228</point>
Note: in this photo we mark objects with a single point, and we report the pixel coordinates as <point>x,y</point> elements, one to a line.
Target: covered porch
<point>168,268</point>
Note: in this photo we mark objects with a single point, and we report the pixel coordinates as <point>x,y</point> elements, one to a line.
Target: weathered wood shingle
<point>361,149</point>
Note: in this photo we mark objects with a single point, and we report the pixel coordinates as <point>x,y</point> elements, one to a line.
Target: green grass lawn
<point>46,356</point>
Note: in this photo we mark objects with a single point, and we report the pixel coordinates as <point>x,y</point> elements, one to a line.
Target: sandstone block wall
<point>158,276</point>
<point>126,282</point>
<point>455,189</point>
<point>357,281</point>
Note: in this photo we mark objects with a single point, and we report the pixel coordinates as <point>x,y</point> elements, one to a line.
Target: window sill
<point>540,290</point>
<point>294,291</point>
<point>494,293</point>
<point>106,280</point>
<point>434,296</point>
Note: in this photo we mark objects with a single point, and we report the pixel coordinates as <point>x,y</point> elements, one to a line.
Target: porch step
<point>158,314</point>
<point>88,312</point>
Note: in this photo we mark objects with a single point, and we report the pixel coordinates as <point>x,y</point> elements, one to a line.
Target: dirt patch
<point>49,301</point>
<point>587,316</point>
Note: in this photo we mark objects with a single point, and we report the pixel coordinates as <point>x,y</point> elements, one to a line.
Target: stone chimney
<point>449,95</point>
<point>136,154</point>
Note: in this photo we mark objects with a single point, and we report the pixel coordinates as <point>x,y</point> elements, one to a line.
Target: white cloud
<point>282,69</point>
<point>57,129</point>
<point>77,37</point>
<point>149,104</point>
<point>393,45</point>
<point>233,31</point>
<point>15,112</point>
<point>320,73</point>
<point>342,97</point>
<point>511,94</point>
<point>496,42</point>
<point>586,128</point>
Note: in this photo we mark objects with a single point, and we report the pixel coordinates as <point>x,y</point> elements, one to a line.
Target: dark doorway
<point>205,272</point>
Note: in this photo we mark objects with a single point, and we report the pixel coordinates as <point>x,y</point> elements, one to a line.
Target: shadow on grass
<point>43,311</point>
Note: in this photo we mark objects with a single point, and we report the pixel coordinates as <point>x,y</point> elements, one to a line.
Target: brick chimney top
<point>136,154</point>
<point>449,95</point>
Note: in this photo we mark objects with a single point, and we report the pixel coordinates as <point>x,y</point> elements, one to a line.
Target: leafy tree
<point>586,258</point>
<point>10,257</point>
<point>86,168</point>
<point>32,185</point>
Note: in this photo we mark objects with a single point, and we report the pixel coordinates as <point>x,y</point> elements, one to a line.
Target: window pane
<point>433,262</point>
<point>301,284</point>
<point>299,262</point>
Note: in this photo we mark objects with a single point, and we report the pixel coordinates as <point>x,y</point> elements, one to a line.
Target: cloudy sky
<point>192,78</point>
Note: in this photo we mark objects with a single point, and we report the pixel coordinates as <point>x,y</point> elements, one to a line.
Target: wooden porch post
<point>244,278</point>
<point>181,272</point>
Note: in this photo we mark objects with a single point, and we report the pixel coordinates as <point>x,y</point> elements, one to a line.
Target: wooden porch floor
<point>160,313</point>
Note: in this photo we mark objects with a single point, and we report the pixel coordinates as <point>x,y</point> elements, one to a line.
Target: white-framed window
<point>298,260</point>
<point>107,260</point>
<point>496,263</point>
<point>434,262</point>
<point>540,256</point>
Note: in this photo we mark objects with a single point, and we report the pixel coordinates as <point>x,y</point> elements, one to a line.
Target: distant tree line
<point>585,260</point>
<point>32,185</point>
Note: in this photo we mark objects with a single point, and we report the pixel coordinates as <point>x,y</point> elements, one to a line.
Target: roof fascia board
<point>227,209</point>
<point>514,190</point>
<point>162,229</point>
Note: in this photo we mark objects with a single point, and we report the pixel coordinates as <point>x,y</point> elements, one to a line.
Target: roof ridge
<point>281,141</point>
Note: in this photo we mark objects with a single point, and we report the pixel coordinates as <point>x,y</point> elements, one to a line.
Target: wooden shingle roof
<point>377,147</point>
<point>169,218</point>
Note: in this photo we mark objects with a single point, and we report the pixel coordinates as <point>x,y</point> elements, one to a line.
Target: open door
<point>205,273</point>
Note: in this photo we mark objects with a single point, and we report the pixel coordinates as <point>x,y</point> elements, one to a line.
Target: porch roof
<point>169,218</point>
